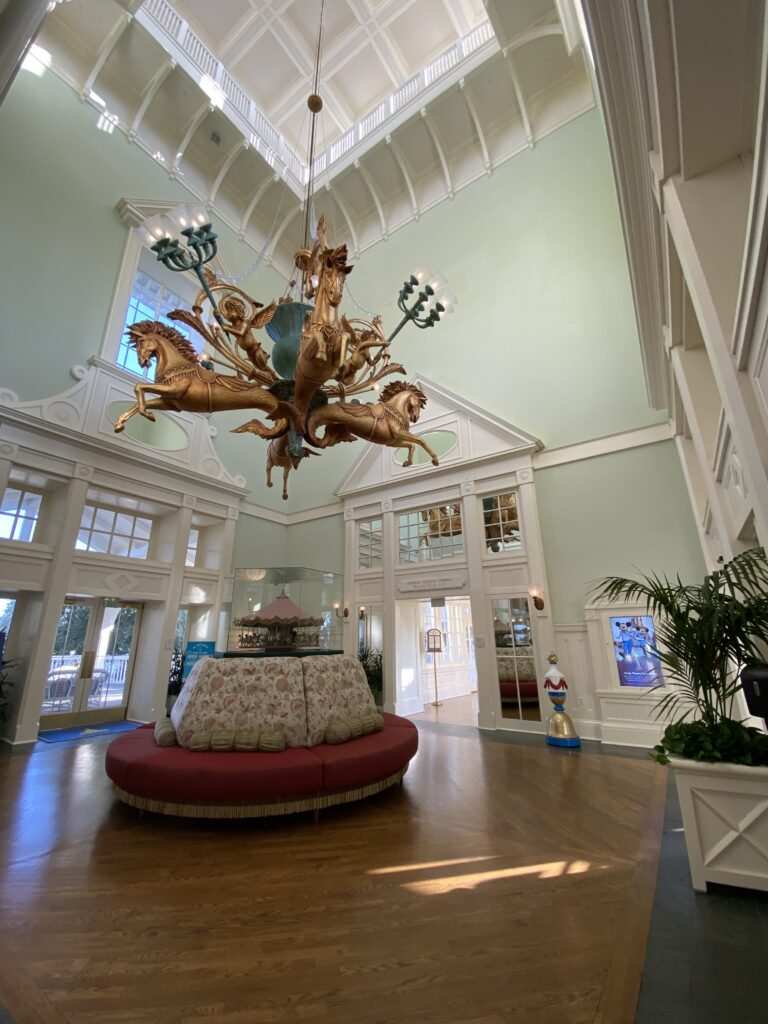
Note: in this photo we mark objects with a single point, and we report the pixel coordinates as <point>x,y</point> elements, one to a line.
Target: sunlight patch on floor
<point>438,886</point>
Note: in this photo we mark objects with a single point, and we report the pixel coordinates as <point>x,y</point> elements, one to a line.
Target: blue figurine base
<point>555,741</point>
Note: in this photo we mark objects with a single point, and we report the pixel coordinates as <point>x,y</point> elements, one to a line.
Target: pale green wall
<point>259,543</point>
<point>543,336</point>
<point>611,515</point>
<point>317,544</point>
<point>62,237</point>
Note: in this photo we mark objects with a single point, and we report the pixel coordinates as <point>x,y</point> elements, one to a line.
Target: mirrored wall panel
<point>515,659</point>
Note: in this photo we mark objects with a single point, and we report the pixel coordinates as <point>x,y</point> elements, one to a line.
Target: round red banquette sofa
<point>306,775</point>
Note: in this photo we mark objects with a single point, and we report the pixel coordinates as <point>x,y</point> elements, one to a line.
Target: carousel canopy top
<point>283,612</point>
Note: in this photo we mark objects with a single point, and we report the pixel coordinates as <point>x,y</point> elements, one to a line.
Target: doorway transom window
<point>431,534</point>
<point>114,533</point>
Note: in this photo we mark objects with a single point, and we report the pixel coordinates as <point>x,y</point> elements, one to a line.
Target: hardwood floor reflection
<point>500,884</point>
<point>454,711</point>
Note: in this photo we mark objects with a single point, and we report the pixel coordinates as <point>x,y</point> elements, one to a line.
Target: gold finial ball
<point>315,103</point>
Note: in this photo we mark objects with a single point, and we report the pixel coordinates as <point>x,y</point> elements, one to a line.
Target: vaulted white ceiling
<point>421,98</point>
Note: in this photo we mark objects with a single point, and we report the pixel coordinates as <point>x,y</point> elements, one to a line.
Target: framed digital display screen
<point>634,645</point>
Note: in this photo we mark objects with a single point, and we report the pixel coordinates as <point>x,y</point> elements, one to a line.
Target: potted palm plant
<point>708,633</point>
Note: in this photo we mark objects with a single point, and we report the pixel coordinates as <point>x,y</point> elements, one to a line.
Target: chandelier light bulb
<point>448,301</point>
<point>437,283</point>
<point>314,280</point>
<point>181,217</point>
<point>422,274</point>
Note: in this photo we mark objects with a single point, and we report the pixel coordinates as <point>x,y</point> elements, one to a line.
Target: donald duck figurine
<point>560,730</point>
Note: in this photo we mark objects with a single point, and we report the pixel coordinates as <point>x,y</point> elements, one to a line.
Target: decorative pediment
<point>87,411</point>
<point>462,433</point>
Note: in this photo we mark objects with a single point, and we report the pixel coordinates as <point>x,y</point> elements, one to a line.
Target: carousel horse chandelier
<point>319,358</point>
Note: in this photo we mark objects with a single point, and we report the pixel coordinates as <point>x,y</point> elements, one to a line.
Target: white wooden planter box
<point>725,817</point>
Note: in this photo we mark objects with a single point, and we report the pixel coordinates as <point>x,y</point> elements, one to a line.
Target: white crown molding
<point>320,512</point>
<point>250,508</point>
<point>608,445</point>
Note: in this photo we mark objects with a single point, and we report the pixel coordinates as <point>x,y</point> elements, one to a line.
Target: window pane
<point>24,529</point>
<point>99,542</point>
<point>150,300</point>
<point>30,505</point>
<point>119,546</point>
<point>6,526</point>
<point>139,549</point>
<point>104,519</point>
<point>81,543</point>
<point>11,500</point>
<point>143,528</point>
<point>87,516</point>
<point>123,524</point>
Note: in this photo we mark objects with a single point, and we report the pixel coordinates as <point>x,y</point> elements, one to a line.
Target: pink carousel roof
<point>283,612</point>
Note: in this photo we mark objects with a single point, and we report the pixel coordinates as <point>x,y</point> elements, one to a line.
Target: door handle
<point>87,663</point>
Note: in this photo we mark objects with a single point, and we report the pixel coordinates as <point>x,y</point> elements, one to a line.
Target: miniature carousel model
<point>281,626</point>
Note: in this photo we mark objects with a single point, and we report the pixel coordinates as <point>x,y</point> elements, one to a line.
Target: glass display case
<point>286,611</point>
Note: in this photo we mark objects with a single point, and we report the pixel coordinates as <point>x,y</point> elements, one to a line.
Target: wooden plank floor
<point>500,884</point>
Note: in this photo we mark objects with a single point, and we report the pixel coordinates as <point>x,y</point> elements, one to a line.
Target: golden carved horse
<point>324,338</point>
<point>277,455</point>
<point>386,422</point>
<point>183,385</point>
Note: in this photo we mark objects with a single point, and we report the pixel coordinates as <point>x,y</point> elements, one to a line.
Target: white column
<point>482,623</point>
<point>543,629</point>
<point>389,550</point>
<point>42,619</point>
<point>350,626</point>
<point>222,584</point>
<point>158,628</point>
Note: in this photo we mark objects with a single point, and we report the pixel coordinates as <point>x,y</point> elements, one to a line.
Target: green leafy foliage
<point>372,661</point>
<point>726,741</point>
<point>707,633</point>
<point>6,686</point>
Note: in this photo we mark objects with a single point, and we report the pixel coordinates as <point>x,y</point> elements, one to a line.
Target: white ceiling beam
<point>150,91</point>
<point>472,109</point>
<point>260,191</point>
<point>365,175</point>
<point>230,158</point>
<point>527,126</point>
<point>429,124</point>
<point>397,153</point>
<point>345,214</point>
<point>194,124</point>
<point>238,31</point>
<point>280,232</point>
<point>386,50</point>
<point>106,48</point>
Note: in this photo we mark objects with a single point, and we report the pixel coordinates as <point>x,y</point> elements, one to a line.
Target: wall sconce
<point>337,611</point>
<point>538,600</point>
<point>362,611</point>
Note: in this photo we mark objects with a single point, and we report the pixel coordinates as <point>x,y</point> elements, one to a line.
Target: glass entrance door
<point>90,671</point>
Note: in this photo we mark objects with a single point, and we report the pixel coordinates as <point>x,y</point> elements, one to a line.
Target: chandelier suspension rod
<point>315,105</point>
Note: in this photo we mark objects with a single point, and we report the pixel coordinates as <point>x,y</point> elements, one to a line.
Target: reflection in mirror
<point>515,659</point>
<point>370,647</point>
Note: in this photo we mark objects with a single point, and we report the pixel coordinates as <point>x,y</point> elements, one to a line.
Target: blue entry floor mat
<point>85,732</point>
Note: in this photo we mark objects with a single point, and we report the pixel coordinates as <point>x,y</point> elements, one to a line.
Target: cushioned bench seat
<point>174,780</point>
